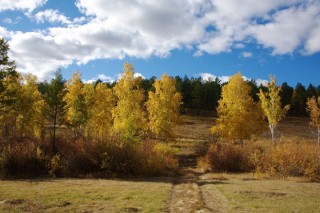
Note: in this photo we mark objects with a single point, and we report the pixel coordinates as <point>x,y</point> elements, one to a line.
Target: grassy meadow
<point>83,195</point>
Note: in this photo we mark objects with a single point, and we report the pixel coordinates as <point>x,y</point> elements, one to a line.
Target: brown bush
<point>21,159</point>
<point>155,158</point>
<point>79,157</point>
<point>228,158</point>
<point>289,159</point>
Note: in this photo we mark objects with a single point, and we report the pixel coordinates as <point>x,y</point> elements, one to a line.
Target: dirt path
<point>192,192</point>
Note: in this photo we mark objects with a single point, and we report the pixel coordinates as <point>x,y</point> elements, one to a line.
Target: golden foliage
<point>239,116</point>
<point>313,107</point>
<point>163,107</point>
<point>128,114</point>
<point>271,105</point>
<point>77,114</point>
<point>99,110</point>
<point>26,119</point>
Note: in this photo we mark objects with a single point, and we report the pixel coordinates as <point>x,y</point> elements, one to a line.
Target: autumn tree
<point>77,113</point>
<point>8,76</point>
<point>31,104</point>
<point>271,105</point>
<point>128,116</point>
<point>26,118</point>
<point>239,116</point>
<point>163,107</point>
<point>100,103</point>
<point>313,107</point>
<point>53,93</point>
<point>9,105</point>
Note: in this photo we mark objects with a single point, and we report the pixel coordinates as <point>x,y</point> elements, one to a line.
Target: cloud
<point>8,21</point>
<point>211,77</point>
<point>51,16</point>
<point>225,79</point>
<point>246,54</point>
<point>27,5</point>
<point>287,28</point>
<point>239,46</point>
<point>109,29</point>
<point>260,81</point>
<point>136,75</point>
<point>102,77</point>
<point>4,32</point>
<point>312,44</point>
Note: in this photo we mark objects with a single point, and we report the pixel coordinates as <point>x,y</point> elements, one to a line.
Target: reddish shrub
<point>289,159</point>
<point>22,160</point>
<point>228,158</point>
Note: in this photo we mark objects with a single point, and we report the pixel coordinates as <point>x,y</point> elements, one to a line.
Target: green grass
<point>247,193</point>
<point>79,195</point>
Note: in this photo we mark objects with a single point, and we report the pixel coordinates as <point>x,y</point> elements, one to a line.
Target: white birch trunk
<point>271,126</point>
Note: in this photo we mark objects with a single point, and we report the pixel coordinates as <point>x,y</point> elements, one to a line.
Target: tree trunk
<point>272,132</point>
<point>54,134</point>
<point>318,136</point>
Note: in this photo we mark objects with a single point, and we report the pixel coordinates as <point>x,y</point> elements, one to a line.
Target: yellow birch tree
<point>271,105</point>
<point>163,107</point>
<point>239,116</point>
<point>99,110</point>
<point>129,119</point>
<point>313,107</point>
<point>31,104</point>
<point>26,119</point>
<point>77,114</point>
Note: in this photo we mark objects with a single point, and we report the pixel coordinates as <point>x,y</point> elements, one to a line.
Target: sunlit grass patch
<point>77,195</point>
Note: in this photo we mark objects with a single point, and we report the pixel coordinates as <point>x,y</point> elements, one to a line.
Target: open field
<point>291,129</point>
<point>83,195</point>
<point>188,191</point>
<point>249,193</point>
<point>208,192</point>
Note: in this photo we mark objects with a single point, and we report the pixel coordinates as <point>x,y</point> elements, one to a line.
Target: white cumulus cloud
<point>246,54</point>
<point>101,77</point>
<point>109,29</point>
<point>225,79</point>
<point>52,16</point>
<point>27,5</point>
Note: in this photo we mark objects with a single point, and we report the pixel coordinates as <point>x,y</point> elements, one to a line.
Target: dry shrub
<point>118,157</point>
<point>155,158</point>
<point>80,157</point>
<point>57,166</point>
<point>21,159</point>
<point>289,159</point>
<point>228,158</point>
<point>139,158</point>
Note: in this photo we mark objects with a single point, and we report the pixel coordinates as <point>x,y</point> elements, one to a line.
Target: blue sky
<point>198,38</point>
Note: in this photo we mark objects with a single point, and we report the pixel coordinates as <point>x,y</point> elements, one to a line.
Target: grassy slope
<point>70,195</point>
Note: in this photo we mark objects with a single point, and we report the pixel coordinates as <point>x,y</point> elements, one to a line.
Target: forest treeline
<point>199,96</point>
